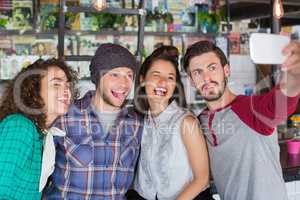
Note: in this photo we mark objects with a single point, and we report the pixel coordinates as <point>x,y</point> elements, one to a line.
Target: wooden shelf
<point>4,80</point>
<point>27,33</point>
<point>78,58</point>
<point>124,11</point>
<point>106,32</point>
<point>261,9</point>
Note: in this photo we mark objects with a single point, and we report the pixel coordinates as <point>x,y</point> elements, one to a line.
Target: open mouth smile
<point>160,91</point>
<point>119,94</point>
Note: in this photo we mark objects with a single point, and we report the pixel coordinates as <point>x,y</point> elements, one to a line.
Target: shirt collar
<point>206,110</point>
<point>165,115</point>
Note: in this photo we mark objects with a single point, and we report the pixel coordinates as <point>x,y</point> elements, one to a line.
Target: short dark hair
<point>166,53</point>
<point>30,94</point>
<point>200,48</point>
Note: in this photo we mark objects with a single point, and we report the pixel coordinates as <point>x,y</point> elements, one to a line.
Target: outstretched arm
<point>264,112</point>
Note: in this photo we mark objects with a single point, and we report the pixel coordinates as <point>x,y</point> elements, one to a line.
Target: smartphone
<point>267,48</point>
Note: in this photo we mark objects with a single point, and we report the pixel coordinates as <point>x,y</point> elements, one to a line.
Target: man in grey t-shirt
<point>240,130</point>
<point>107,119</point>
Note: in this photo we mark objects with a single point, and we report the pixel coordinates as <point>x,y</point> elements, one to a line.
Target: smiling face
<point>55,92</point>
<point>160,82</point>
<point>209,76</point>
<point>115,86</point>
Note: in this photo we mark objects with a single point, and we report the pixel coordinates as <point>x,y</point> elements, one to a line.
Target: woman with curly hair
<point>30,104</point>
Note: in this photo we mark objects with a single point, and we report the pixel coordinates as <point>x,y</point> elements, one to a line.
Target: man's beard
<point>218,95</point>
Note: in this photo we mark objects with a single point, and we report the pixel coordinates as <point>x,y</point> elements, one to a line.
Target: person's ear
<point>99,83</point>
<point>142,80</point>
<point>226,70</point>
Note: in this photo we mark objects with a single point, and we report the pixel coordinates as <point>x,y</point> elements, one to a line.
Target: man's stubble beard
<point>219,94</point>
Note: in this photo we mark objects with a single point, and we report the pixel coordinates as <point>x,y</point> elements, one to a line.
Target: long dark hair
<point>25,88</point>
<point>166,53</point>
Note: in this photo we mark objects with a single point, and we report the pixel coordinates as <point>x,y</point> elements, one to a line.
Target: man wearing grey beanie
<point>96,158</point>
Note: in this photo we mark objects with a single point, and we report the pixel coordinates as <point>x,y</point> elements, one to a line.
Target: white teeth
<point>118,92</point>
<point>62,99</point>
<point>161,89</point>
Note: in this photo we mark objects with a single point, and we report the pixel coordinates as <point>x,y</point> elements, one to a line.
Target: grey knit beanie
<point>109,56</point>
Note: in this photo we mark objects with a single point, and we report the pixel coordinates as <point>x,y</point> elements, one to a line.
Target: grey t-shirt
<point>243,146</point>
<point>107,119</point>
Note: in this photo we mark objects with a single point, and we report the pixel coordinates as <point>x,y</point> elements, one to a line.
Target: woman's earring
<point>143,84</point>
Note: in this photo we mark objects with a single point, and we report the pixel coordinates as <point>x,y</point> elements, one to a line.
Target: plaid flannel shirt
<point>92,164</point>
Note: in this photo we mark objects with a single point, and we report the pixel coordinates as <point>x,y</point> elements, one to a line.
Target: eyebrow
<point>197,69</point>
<point>155,72</point>
<point>58,79</point>
<point>211,64</point>
<point>118,72</point>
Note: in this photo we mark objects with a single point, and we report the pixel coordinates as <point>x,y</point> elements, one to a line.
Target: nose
<point>162,81</point>
<point>206,76</point>
<point>125,81</point>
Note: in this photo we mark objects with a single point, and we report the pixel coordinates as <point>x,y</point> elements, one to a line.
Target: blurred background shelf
<point>107,32</point>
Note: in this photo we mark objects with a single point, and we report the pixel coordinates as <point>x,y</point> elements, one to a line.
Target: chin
<point>62,110</point>
<point>161,100</point>
<point>117,103</point>
<point>211,98</point>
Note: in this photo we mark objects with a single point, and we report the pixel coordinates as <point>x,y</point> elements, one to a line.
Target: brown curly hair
<point>22,94</point>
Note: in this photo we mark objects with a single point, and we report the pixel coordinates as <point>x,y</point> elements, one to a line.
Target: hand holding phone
<point>267,48</point>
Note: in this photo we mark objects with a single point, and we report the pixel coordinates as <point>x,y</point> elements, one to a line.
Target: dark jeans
<point>204,195</point>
